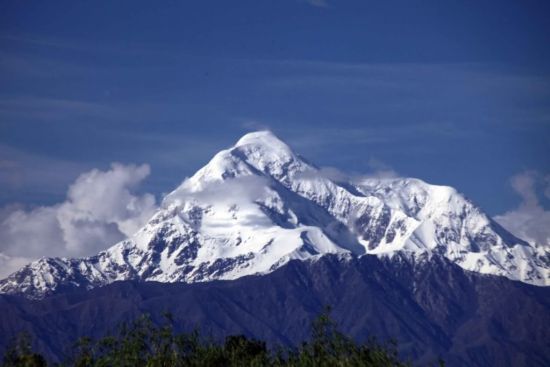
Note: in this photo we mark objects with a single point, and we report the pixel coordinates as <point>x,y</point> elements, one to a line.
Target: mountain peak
<point>263,150</point>
<point>256,153</point>
<point>261,137</point>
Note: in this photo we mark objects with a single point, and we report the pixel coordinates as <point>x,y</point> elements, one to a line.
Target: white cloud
<point>101,209</point>
<point>242,189</point>
<point>10,264</point>
<point>255,125</point>
<point>377,170</point>
<point>380,169</point>
<point>330,173</point>
<point>529,221</point>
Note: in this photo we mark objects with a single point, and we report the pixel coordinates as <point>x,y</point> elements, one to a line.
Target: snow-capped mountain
<point>257,205</point>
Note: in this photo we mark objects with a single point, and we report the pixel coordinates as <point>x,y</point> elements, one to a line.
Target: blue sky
<point>453,92</point>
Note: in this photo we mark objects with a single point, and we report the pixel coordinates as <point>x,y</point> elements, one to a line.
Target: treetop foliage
<point>142,343</point>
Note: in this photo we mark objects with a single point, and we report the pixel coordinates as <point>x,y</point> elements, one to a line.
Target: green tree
<point>142,343</point>
<point>20,354</point>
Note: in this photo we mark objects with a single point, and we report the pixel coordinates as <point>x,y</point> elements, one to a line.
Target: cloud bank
<point>529,221</point>
<point>101,209</point>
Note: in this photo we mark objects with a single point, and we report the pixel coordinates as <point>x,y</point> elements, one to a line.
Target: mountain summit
<point>258,205</point>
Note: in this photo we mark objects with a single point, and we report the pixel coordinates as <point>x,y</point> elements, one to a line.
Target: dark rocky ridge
<point>432,309</point>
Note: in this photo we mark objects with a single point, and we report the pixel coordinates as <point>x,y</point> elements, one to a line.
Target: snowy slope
<point>257,205</point>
